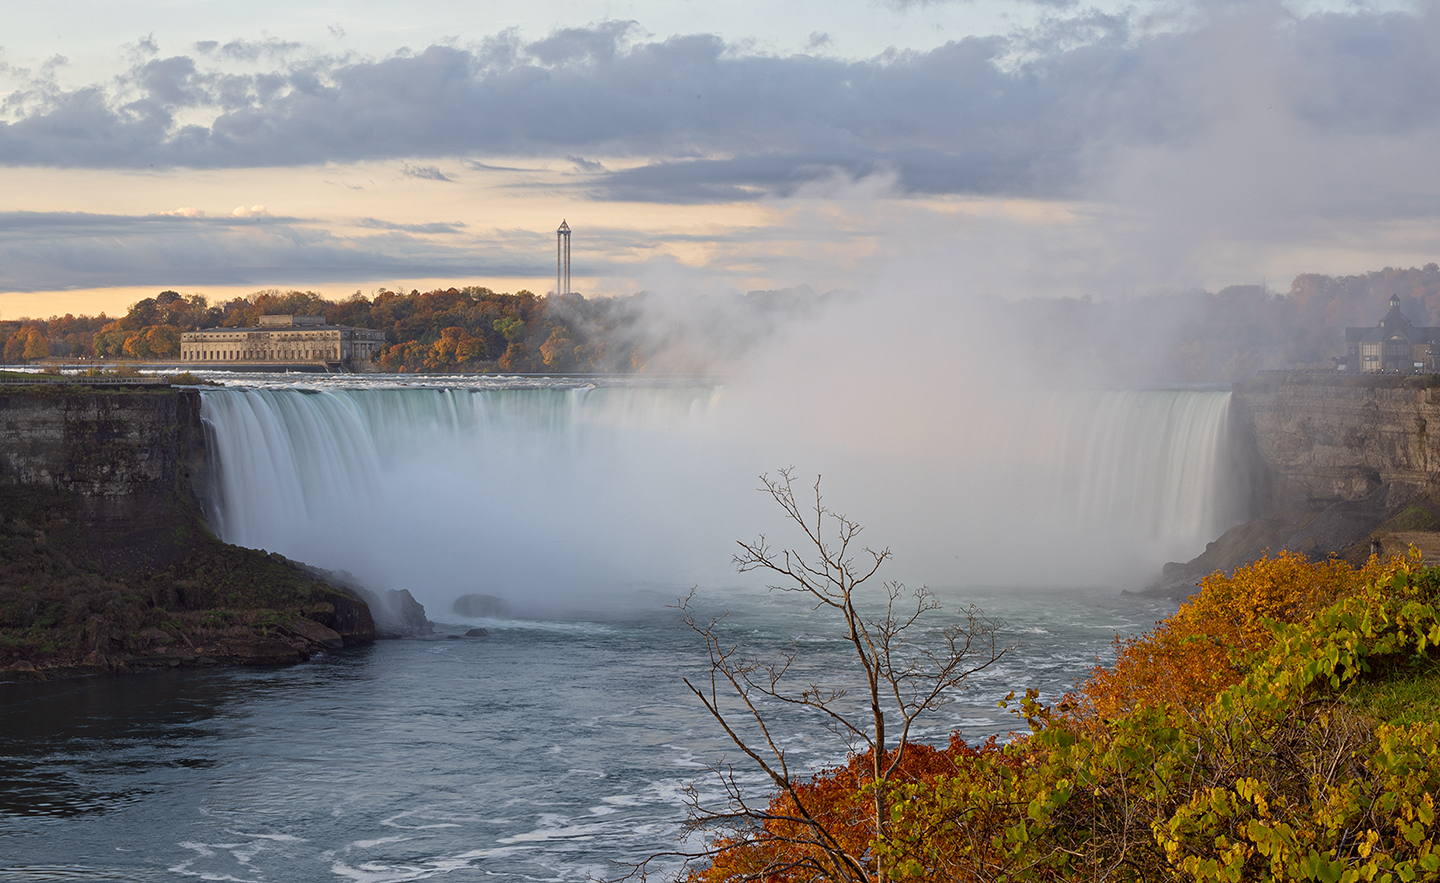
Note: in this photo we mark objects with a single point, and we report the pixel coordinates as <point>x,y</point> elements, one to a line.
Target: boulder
<point>316,633</point>
<point>348,616</point>
<point>396,613</point>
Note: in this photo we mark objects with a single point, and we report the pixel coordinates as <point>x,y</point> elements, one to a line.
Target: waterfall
<point>1151,458</point>
<point>536,493</point>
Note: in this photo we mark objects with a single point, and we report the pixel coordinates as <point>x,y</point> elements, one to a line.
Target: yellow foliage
<point>1204,647</point>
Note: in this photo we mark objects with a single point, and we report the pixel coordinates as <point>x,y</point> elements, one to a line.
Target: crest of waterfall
<point>538,492</point>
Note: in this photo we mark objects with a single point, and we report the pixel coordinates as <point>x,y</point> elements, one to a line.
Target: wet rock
<point>256,651</point>
<point>319,634</point>
<point>395,612</point>
<point>348,616</point>
<point>478,633</point>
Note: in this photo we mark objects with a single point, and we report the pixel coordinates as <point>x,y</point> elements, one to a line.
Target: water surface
<point>546,751</point>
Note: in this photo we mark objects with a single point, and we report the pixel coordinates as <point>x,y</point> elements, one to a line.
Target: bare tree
<point>900,681</point>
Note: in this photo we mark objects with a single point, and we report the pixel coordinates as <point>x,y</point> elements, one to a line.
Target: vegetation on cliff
<point>1283,725</point>
<point>67,607</point>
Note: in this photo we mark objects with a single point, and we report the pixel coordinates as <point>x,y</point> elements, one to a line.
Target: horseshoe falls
<point>566,495</point>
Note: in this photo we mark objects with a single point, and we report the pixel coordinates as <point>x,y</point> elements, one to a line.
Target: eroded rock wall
<point>107,563</point>
<point>128,459</point>
<point>1327,439</point>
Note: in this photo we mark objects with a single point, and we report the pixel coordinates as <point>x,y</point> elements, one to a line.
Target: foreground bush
<point>1227,745</point>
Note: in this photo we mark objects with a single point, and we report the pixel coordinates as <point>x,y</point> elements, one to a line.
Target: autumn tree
<point>15,347</point>
<point>37,346</point>
<point>894,682</point>
<point>558,350</point>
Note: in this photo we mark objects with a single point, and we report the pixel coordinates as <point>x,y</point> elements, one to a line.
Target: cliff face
<point>100,444</point>
<point>106,562</point>
<point>127,460</point>
<point>1327,439</point>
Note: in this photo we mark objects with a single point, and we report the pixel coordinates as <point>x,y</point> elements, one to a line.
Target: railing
<point>43,379</point>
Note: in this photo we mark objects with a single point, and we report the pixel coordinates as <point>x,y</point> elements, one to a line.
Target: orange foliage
<point>838,803</point>
<point>1190,657</point>
<point>963,814</point>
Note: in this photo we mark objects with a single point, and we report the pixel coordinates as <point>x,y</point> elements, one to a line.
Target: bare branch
<point>900,682</point>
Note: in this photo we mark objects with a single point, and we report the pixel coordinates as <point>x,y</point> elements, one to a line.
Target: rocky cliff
<point>106,562</point>
<point>128,460</point>
<point>1338,465</point>
<point>1323,439</point>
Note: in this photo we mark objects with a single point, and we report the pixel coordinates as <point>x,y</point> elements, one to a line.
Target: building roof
<point>1393,326</point>
<point>274,329</point>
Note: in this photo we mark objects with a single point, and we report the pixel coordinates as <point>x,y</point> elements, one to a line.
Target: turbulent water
<point>546,751</point>
<point>564,740</point>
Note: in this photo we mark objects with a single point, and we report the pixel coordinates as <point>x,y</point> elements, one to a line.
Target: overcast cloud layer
<point>1030,114</point>
<point>1093,153</point>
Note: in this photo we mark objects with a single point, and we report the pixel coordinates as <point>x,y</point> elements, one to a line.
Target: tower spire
<point>562,259</point>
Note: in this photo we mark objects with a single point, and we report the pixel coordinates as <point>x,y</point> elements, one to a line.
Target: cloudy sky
<point>1010,149</point>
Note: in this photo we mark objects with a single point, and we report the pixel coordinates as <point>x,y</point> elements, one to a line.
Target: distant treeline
<point>1196,336</point>
<point>469,329</point>
<point>1224,336</point>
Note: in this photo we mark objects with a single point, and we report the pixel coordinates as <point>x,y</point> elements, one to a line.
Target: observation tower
<point>562,259</point>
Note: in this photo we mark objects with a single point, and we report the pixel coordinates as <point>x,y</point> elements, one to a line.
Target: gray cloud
<point>585,165</point>
<point>917,170</point>
<point>428,173</point>
<point>438,227</point>
<point>599,43</point>
<point>43,251</point>
<point>59,250</point>
<point>254,50</point>
<point>485,167</point>
<point>1038,113</point>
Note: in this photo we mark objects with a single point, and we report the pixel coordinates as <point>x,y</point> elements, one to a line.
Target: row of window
<point>247,355</point>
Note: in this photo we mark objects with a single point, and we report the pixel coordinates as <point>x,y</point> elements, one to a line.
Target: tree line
<point>1193,336</point>
<point>468,329</point>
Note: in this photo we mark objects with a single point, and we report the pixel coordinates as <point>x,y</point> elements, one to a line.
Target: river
<point>546,751</point>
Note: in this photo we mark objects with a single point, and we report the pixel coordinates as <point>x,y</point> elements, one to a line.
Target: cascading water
<point>561,493</point>
<point>525,493</point>
<point>1148,471</point>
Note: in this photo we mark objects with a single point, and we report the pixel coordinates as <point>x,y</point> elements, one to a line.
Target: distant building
<point>1394,345</point>
<point>282,339</point>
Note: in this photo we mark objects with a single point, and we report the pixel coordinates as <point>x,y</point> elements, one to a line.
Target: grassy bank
<point>1284,724</point>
